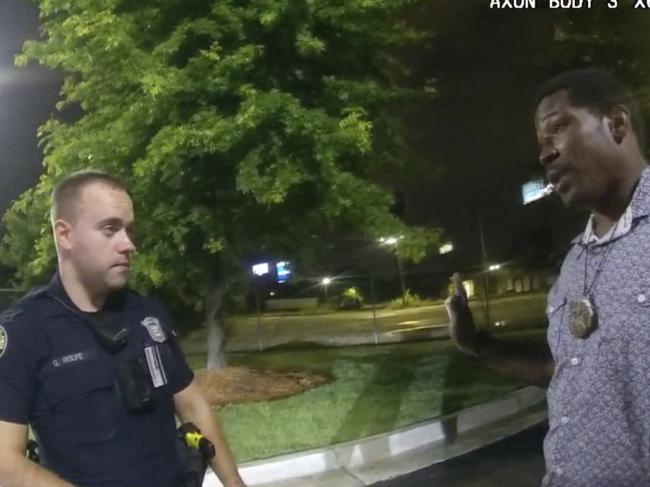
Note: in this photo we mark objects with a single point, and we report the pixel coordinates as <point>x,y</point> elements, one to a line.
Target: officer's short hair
<point>67,191</point>
<point>598,91</point>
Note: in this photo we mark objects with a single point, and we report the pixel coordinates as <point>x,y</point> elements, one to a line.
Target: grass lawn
<point>373,390</point>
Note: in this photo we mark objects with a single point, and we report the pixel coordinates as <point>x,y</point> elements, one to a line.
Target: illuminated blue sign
<point>535,190</point>
<point>283,271</point>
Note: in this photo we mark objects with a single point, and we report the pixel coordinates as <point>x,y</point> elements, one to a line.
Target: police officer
<point>93,367</point>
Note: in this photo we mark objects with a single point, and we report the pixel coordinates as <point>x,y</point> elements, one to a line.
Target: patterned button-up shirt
<point>599,397</point>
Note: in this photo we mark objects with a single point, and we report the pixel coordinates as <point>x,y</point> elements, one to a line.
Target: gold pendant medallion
<point>582,318</point>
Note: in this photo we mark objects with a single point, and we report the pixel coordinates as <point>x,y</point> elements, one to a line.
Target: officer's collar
<point>117,300</point>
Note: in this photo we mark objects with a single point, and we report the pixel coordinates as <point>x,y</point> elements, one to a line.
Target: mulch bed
<point>242,384</point>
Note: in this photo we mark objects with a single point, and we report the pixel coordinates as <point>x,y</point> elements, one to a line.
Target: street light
<point>487,269</point>
<point>325,282</point>
<point>392,242</point>
<point>446,248</point>
<point>486,279</point>
<point>259,271</point>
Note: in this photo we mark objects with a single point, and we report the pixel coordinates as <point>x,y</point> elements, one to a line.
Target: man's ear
<point>62,234</point>
<point>619,122</point>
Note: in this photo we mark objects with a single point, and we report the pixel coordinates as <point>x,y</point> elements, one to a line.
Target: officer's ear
<point>62,234</point>
<point>619,122</point>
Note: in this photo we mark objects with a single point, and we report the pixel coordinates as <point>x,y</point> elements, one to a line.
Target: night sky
<point>480,131</point>
<point>27,97</point>
<point>479,135</point>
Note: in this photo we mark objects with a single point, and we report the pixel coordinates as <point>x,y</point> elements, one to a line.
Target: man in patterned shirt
<point>597,359</point>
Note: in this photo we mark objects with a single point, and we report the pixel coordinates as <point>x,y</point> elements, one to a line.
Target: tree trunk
<point>214,323</point>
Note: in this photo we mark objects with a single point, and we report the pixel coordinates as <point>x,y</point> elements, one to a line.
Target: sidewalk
<point>515,461</point>
<point>406,450</point>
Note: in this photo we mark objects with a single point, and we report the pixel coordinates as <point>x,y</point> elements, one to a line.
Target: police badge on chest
<point>155,329</point>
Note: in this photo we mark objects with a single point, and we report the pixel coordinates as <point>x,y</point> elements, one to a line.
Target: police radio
<point>109,333</point>
<point>134,384</point>
<point>132,379</point>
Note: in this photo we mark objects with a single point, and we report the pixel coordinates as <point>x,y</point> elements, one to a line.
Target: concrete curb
<point>399,452</point>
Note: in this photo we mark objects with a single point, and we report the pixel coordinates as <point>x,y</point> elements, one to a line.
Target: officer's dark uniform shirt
<point>55,376</point>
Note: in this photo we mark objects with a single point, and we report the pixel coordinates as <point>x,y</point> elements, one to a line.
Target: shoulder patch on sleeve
<point>4,340</point>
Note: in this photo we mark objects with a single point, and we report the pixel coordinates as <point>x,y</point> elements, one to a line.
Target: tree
<point>238,126</point>
<point>615,39</point>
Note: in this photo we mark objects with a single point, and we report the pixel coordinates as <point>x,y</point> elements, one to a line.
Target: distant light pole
<point>325,282</point>
<point>486,281</point>
<point>374,312</point>
<point>392,242</point>
<point>259,271</point>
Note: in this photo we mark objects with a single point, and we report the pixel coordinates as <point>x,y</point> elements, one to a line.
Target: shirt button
<point>550,309</point>
<point>559,471</point>
<point>564,420</point>
<point>641,298</point>
<point>575,361</point>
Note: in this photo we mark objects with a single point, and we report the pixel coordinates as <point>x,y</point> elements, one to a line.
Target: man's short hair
<point>67,192</point>
<point>596,90</point>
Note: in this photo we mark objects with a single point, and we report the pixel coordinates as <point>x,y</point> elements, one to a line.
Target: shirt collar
<point>622,227</point>
<point>639,207</point>
<point>55,288</point>
<point>640,203</point>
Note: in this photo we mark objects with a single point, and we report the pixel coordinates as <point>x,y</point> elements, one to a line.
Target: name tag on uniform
<point>156,369</point>
<point>70,359</point>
